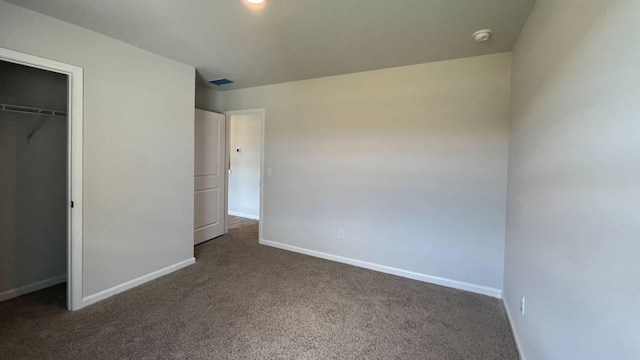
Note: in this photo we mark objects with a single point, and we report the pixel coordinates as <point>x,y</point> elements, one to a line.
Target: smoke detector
<point>482,35</point>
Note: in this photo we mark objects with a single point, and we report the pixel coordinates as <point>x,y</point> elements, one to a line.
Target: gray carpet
<point>246,301</point>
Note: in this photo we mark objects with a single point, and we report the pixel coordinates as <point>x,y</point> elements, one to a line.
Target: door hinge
<point>72,204</point>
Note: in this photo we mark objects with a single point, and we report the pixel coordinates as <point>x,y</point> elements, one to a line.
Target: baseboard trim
<point>513,330</point>
<point>243,215</point>
<point>460,285</point>
<point>39,285</point>
<point>92,299</point>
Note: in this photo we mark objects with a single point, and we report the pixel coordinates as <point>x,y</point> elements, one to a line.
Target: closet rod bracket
<point>33,111</point>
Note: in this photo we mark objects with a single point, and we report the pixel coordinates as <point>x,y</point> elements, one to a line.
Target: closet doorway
<point>40,177</point>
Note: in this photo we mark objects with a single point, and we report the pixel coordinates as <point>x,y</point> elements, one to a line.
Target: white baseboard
<point>513,330</point>
<point>243,215</point>
<point>11,293</point>
<point>460,285</point>
<point>91,299</point>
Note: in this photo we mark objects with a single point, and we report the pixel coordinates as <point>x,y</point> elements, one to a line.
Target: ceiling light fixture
<point>482,35</point>
<point>255,2</point>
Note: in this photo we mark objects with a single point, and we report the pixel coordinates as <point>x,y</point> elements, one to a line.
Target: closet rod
<point>30,110</point>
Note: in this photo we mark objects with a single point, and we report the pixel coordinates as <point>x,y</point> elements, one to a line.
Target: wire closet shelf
<point>32,111</point>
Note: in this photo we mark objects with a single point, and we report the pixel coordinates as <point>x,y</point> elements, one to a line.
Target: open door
<point>209,196</point>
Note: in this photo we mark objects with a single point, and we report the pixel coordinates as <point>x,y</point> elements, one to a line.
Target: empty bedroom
<point>305,179</point>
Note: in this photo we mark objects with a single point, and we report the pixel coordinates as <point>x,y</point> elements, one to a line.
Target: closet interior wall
<point>33,180</point>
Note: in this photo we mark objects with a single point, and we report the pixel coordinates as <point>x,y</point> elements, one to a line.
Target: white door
<point>210,167</point>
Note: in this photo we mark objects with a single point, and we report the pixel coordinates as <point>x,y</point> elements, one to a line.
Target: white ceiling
<point>287,40</point>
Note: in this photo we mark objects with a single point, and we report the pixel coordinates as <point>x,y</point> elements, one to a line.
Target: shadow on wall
<point>572,224</point>
<point>33,184</point>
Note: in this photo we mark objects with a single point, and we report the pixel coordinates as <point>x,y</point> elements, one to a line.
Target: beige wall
<point>573,229</point>
<point>245,133</point>
<point>207,99</point>
<point>33,180</point>
<point>410,161</point>
<point>33,202</point>
<point>27,86</point>
<point>138,147</point>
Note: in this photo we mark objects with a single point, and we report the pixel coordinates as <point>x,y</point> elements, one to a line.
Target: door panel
<point>206,205</point>
<point>210,136</point>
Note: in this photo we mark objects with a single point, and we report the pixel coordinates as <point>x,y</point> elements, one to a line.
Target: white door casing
<point>209,181</point>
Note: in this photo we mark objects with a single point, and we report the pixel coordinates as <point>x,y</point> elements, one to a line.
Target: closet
<point>33,180</point>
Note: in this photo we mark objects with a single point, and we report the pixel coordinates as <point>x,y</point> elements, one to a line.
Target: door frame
<point>75,77</point>
<point>228,114</point>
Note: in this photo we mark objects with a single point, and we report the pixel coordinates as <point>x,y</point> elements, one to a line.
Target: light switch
<point>268,171</point>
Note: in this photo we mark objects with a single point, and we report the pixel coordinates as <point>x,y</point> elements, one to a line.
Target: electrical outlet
<point>522,306</point>
<point>268,171</point>
<point>340,233</point>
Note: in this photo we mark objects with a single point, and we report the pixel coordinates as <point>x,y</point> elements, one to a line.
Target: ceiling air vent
<point>221,81</point>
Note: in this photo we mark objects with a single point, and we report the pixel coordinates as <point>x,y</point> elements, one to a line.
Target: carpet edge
<point>104,294</point>
<point>460,285</point>
<point>38,285</point>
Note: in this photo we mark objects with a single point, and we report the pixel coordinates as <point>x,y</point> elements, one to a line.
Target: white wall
<point>33,181</point>
<point>245,133</point>
<point>410,161</point>
<point>28,86</point>
<point>207,99</point>
<point>573,230</point>
<point>138,147</point>
<point>33,203</point>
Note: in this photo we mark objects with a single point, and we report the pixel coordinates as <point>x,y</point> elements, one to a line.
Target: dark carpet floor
<point>246,301</point>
